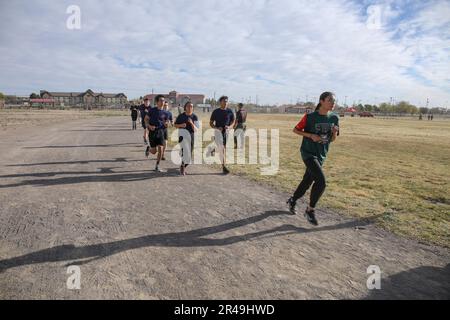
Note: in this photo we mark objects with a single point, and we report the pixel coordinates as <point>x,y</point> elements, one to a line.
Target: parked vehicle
<point>366,114</point>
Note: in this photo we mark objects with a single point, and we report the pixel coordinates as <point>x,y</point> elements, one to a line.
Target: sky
<point>275,51</point>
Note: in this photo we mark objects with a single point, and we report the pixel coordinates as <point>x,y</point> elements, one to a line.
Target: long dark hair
<point>323,96</point>
<point>185,105</point>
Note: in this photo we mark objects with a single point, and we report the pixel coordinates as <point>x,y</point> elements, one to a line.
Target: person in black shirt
<point>156,120</point>
<point>186,121</point>
<point>143,110</point>
<point>222,119</point>
<point>134,115</point>
<point>241,118</point>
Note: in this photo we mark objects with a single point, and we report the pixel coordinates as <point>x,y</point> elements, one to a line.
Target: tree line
<point>402,107</point>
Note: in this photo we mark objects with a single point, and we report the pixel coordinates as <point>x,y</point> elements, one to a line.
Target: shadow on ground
<point>193,238</point>
<point>418,283</point>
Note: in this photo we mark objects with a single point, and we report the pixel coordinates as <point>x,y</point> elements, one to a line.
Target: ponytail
<point>323,96</point>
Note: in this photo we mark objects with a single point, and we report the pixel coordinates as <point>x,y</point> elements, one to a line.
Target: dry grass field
<point>17,118</point>
<point>395,169</point>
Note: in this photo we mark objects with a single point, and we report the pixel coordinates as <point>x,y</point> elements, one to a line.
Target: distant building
<point>205,107</point>
<point>87,98</point>
<point>16,100</point>
<point>298,109</point>
<point>176,99</point>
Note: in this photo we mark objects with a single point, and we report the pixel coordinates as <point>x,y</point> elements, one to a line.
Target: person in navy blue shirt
<point>222,119</point>
<point>189,122</point>
<point>156,120</point>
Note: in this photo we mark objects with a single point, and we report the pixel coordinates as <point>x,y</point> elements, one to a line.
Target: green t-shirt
<point>320,125</point>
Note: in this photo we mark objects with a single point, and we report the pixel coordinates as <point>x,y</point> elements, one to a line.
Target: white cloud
<point>278,50</point>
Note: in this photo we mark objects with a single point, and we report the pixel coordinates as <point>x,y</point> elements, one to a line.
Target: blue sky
<point>280,51</point>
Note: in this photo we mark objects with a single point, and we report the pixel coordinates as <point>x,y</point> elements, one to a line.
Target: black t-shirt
<point>184,118</point>
<point>134,113</point>
<point>144,110</point>
<point>241,116</point>
<point>222,117</point>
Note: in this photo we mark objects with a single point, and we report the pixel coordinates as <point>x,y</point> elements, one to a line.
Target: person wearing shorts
<point>156,121</point>
<point>222,119</point>
<point>143,110</point>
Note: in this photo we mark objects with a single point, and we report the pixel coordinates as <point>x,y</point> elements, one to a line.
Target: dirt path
<point>83,194</point>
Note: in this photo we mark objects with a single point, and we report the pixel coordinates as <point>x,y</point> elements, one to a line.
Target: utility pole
<point>345,102</point>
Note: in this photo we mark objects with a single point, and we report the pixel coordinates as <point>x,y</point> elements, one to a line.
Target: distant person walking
<point>318,130</point>
<point>134,115</point>
<point>222,119</point>
<point>240,123</point>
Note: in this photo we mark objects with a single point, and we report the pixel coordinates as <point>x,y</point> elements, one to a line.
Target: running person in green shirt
<point>318,130</point>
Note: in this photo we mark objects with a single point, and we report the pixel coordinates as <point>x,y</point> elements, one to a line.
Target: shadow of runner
<point>418,283</point>
<point>193,238</point>
<point>105,175</point>
<point>88,130</point>
<point>75,162</point>
<point>130,144</point>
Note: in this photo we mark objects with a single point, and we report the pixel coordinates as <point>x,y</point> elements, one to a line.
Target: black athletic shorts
<point>166,134</point>
<point>143,123</point>
<point>156,137</point>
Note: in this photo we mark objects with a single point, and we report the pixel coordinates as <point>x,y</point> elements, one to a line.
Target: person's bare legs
<point>223,153</point>
<point>159,157</point>
<point>146,135</point>
<point>164,150</point>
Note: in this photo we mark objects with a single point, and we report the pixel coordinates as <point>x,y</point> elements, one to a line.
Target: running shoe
<point>292,205</point>
<point>311,217</point>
